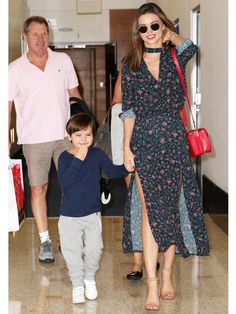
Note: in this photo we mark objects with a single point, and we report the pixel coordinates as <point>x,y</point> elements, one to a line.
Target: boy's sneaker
<point>91,292</point>
<point>78,295</point>
<point>45,254</point>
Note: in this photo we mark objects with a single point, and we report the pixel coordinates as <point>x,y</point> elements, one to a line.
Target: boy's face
<point>82,138</point>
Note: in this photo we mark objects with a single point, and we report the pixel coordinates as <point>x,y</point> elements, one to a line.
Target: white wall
<point>214,77</point>
<point>71,27</point>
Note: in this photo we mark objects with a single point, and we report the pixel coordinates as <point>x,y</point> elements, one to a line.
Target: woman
<point>155,148</point>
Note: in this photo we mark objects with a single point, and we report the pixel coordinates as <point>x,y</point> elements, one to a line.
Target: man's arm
<point>10,105</point>
<point>74,92</point>
<point>117,92</point>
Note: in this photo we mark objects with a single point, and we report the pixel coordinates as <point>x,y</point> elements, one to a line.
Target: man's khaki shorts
<point>39,157</point>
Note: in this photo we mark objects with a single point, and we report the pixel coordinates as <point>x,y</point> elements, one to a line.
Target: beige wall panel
<point>86,27</point>
<point>48,5</point>
<point>71,4</point>
<point>71,27</point>
<point>14,44</point>
<point>18,12</point>
<point>122,4</point>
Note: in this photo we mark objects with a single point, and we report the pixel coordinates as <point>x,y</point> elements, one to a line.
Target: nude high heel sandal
<point>169,294</point>
<point>149,305</point>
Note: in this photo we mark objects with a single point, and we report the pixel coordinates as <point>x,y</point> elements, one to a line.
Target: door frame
<point>196,82</point>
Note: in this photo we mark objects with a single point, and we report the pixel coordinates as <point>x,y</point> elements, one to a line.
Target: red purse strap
<point>181,77</point>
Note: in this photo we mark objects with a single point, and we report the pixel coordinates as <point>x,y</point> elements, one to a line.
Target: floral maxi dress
<point>162,158</point>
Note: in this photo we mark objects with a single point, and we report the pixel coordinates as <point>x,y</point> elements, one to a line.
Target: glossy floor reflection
<point>201,283</point>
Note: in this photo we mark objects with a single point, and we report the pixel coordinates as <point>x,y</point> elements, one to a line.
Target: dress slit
<point>185,223</point>
<point>136,219</point>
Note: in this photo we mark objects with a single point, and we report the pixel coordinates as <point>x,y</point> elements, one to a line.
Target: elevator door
<point>85,66</point>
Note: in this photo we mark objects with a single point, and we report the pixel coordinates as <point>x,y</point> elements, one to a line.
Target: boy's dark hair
<point>79,122</point>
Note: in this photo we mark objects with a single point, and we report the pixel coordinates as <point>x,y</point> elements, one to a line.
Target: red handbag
<point>198,139</point>
<point>19,191</point>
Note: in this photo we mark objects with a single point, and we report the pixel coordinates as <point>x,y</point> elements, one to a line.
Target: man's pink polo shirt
<point>41,97</point>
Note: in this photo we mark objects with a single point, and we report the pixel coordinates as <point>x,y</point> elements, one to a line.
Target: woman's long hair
<point>136,45</point>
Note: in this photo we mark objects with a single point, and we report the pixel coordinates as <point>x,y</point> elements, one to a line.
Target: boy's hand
<point>81,152</point>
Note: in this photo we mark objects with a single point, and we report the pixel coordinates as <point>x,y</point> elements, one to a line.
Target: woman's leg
<point>136,273</point>
<point>150,253</point>
<point>137,261</point>
<point>127,180</point>
<point>167,291</point>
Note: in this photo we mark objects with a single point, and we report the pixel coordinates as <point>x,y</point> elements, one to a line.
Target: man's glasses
<point>143,29</point>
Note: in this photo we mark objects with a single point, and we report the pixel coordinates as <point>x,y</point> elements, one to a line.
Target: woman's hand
<point>169,36</point>
<point>173,37</point>
<point>129,160</point>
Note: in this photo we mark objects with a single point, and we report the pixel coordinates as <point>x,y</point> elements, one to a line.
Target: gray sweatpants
<point>81,245</point>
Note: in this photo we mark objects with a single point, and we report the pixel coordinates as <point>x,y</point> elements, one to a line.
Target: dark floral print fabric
<point>162,158</point>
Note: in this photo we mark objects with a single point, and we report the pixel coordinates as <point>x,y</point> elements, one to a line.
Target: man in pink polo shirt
<point>40,85</point>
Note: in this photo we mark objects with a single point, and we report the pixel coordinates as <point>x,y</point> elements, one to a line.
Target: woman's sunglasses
<point>143,29</point>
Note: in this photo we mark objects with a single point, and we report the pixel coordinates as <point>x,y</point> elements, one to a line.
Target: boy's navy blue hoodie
<point>80,181</point>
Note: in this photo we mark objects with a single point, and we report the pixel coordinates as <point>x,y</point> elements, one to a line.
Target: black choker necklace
<point>152,50</point>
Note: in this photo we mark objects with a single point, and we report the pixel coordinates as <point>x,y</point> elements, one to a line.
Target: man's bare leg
<point>39,208</point>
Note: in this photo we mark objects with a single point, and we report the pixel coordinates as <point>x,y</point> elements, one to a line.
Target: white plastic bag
<point>117,135</point>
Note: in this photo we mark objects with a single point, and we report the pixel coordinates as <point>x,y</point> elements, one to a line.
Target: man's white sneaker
<point>78,295</point>
<point>91,292</point>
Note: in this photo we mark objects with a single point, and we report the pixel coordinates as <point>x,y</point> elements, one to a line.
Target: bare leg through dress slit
<point>150,252</point>
<point>167,290</point>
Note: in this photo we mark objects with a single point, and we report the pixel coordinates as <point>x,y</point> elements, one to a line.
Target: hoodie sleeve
<point>68,170</point>
<point>111,170</point>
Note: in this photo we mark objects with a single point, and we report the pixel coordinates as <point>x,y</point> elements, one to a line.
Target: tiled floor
<point>201,283</point>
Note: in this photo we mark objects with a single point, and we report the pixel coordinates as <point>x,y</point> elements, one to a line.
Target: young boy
<point>79,224</point>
